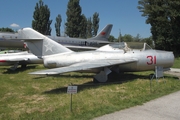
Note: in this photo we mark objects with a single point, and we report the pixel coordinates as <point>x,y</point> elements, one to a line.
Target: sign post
<point>71,90</point>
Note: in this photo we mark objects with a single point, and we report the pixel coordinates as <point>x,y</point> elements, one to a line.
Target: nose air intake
<point>172,59</point>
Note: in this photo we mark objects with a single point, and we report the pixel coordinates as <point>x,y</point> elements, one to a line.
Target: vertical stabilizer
<point>104,33</point>
<point>39,44</point>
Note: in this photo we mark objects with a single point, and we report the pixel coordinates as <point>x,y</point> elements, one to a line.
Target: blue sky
<point>123,14</point>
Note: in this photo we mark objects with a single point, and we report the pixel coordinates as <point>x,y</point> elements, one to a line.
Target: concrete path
<point>164,108</point>
<point>175,70</point>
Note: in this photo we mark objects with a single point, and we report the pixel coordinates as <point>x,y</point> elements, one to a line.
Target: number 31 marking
<point>152,60</point>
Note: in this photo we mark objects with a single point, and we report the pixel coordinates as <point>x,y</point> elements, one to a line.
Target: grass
<point>25,96</point>
<point>176,63</point>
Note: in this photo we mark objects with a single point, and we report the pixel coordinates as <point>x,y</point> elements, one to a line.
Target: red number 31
<point>152,60</point>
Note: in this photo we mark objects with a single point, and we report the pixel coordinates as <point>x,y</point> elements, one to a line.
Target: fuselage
<point>22,58</point>
<point>146,60</point>
<point>13,40</point>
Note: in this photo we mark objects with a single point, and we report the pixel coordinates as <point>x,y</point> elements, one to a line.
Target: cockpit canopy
<point>128,46</point>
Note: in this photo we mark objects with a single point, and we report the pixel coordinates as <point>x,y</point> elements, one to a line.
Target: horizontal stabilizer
<point>39,44</point>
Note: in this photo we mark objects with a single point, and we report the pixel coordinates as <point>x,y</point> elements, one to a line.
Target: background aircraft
<point>115,57</point>
<point>20,58</point>
<point>9,51</point>
<point>13,40</point>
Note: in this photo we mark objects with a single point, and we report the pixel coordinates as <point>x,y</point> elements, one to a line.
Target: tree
<point>83,33</point>
<point>48,30</point>
<point>89,28</point>
<point>149,41</point>
<point>6,30</point>
<point>73,24</point>
<point>120,39</point>
<point>127,38</point>
<point>58,25</point>
<point>41,21</point>
<point>164,17</point>
<point>137,38</point>
<point>112,38</point>
<point>95,25</point>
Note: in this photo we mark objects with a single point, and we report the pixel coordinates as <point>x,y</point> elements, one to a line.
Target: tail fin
<point>104,33</point>
<point>39,44</point>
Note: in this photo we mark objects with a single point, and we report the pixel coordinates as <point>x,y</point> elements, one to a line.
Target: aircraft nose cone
<point>166,59</point>
<point>170,58</point>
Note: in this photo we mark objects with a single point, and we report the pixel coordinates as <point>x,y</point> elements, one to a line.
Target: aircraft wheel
<point>95,81</point>
<point>23,66</point>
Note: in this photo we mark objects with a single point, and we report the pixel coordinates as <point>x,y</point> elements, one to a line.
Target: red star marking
<point>24,45</point>
<point>103,33</point>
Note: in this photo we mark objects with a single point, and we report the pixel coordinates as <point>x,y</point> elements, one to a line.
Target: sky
<point>123,14</point>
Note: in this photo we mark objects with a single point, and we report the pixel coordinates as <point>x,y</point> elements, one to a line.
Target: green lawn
<point>176,63</point>
<point>25,96</point>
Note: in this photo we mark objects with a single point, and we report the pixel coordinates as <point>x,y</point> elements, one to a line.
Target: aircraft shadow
<point>114,79</point>
<point>65,76</point>
<point>19,69</point>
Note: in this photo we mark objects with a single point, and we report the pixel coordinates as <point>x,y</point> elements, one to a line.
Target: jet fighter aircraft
<point>111,57</point>
<point>13,40</point>
<point>20,58</point>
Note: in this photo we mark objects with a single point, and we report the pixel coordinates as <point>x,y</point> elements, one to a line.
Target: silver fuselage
<point>146,60</point>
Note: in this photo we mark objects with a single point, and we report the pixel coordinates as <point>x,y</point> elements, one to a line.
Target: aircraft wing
<point>80,47</point>
<point>84,66</point>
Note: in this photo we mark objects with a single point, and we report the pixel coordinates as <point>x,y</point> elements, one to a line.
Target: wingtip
<point>43,73</point>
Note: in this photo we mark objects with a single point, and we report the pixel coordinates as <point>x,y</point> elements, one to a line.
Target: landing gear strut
<point>102,76</point>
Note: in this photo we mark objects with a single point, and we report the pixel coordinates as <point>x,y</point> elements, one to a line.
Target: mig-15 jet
<point>14,40</point>
<point>119,57</point>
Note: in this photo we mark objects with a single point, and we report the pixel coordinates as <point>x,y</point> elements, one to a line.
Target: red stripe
<point>154,59</point>
<point>2,60</point>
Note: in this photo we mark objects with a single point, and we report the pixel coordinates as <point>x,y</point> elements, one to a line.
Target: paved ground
<point>174,71</point>
<point>164,108</point>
